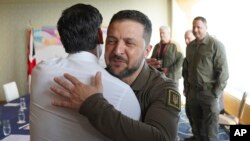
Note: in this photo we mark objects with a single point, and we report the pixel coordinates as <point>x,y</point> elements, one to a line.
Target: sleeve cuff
<point>89,103</point>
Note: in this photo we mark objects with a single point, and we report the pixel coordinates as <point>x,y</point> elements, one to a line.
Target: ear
<point>99,36</point>
<point>147,50</point>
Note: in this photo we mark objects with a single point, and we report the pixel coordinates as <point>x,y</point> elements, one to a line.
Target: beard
<point>127,71</point>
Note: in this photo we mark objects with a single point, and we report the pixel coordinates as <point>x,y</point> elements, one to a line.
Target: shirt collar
<point>83,56</point>
<point>205,39</point>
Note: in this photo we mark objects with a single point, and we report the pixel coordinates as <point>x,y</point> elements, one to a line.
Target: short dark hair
<point>201,19</point>
<point>78,27</point>
<point>136,16</point>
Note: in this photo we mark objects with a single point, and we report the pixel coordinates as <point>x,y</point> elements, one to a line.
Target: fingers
<point>63,83</point>
<point>154,62</point>
<point>148,60</point>
<point>61,103</point>
<point>151,61</point>
<point>98,81</point>
<point>72,79</point>
<point>59,91</point>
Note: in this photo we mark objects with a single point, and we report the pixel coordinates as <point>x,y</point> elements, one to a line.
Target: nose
<point>195,29</point>
<point>119,48</point>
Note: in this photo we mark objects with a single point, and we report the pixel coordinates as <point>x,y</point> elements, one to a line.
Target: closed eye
<point>130,42</point>
<point>111,41</point>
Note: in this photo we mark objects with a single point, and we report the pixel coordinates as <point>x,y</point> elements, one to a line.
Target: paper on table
<point>26,127</point>
<point>12,104</point>
<point>17,138</point>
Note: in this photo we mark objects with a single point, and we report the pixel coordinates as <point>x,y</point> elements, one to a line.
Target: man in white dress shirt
<point>79,29</point>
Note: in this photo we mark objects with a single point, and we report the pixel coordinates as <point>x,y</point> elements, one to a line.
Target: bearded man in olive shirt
<point>127,46</point>
<point>205,73</point>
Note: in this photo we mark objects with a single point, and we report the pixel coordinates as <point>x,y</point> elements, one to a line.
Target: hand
<point>75,92</point>
<point>153,62</point>
<point>165,70</point>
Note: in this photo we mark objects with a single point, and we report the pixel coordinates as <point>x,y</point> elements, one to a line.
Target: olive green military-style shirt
<point>205,66</point>
<point>160,105</point>
<point>172,59</point>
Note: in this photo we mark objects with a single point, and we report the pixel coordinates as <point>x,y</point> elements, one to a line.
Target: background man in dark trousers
<point>205,73</point>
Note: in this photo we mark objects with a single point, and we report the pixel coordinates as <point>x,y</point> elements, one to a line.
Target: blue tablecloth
<point>11,113</point>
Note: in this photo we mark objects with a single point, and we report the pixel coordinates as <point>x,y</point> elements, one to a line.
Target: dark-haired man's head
<point>79,27</point>
<point>199,28</point>
<point>127,43</point>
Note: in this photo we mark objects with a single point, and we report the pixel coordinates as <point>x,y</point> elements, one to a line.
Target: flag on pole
<point>31,52</point>
<point>31,60</point>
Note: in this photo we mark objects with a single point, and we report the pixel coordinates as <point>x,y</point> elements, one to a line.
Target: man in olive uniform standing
<point>127,46</point>
<point>166,52</point>
<point>205,73</point>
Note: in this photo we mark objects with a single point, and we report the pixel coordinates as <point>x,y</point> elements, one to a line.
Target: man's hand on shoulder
<point>75,92</point>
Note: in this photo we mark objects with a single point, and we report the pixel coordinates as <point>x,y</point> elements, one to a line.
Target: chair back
<point>10,91</point>
<point>242,105</point>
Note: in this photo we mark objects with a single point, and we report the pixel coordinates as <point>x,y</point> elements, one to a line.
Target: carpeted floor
<point>185,129</point>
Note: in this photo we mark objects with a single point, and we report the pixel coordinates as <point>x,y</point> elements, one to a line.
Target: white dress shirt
<point>51,123</point>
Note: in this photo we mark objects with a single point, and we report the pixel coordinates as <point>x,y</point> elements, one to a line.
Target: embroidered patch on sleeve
<point>174,99</point>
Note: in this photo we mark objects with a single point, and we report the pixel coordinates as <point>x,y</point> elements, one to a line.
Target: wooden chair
<point>227,119</point>
<point>10,91</point>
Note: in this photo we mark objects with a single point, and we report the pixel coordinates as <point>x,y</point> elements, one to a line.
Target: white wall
<point>15,16</point>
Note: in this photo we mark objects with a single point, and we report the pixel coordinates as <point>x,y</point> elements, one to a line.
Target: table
<point>10,111</point>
